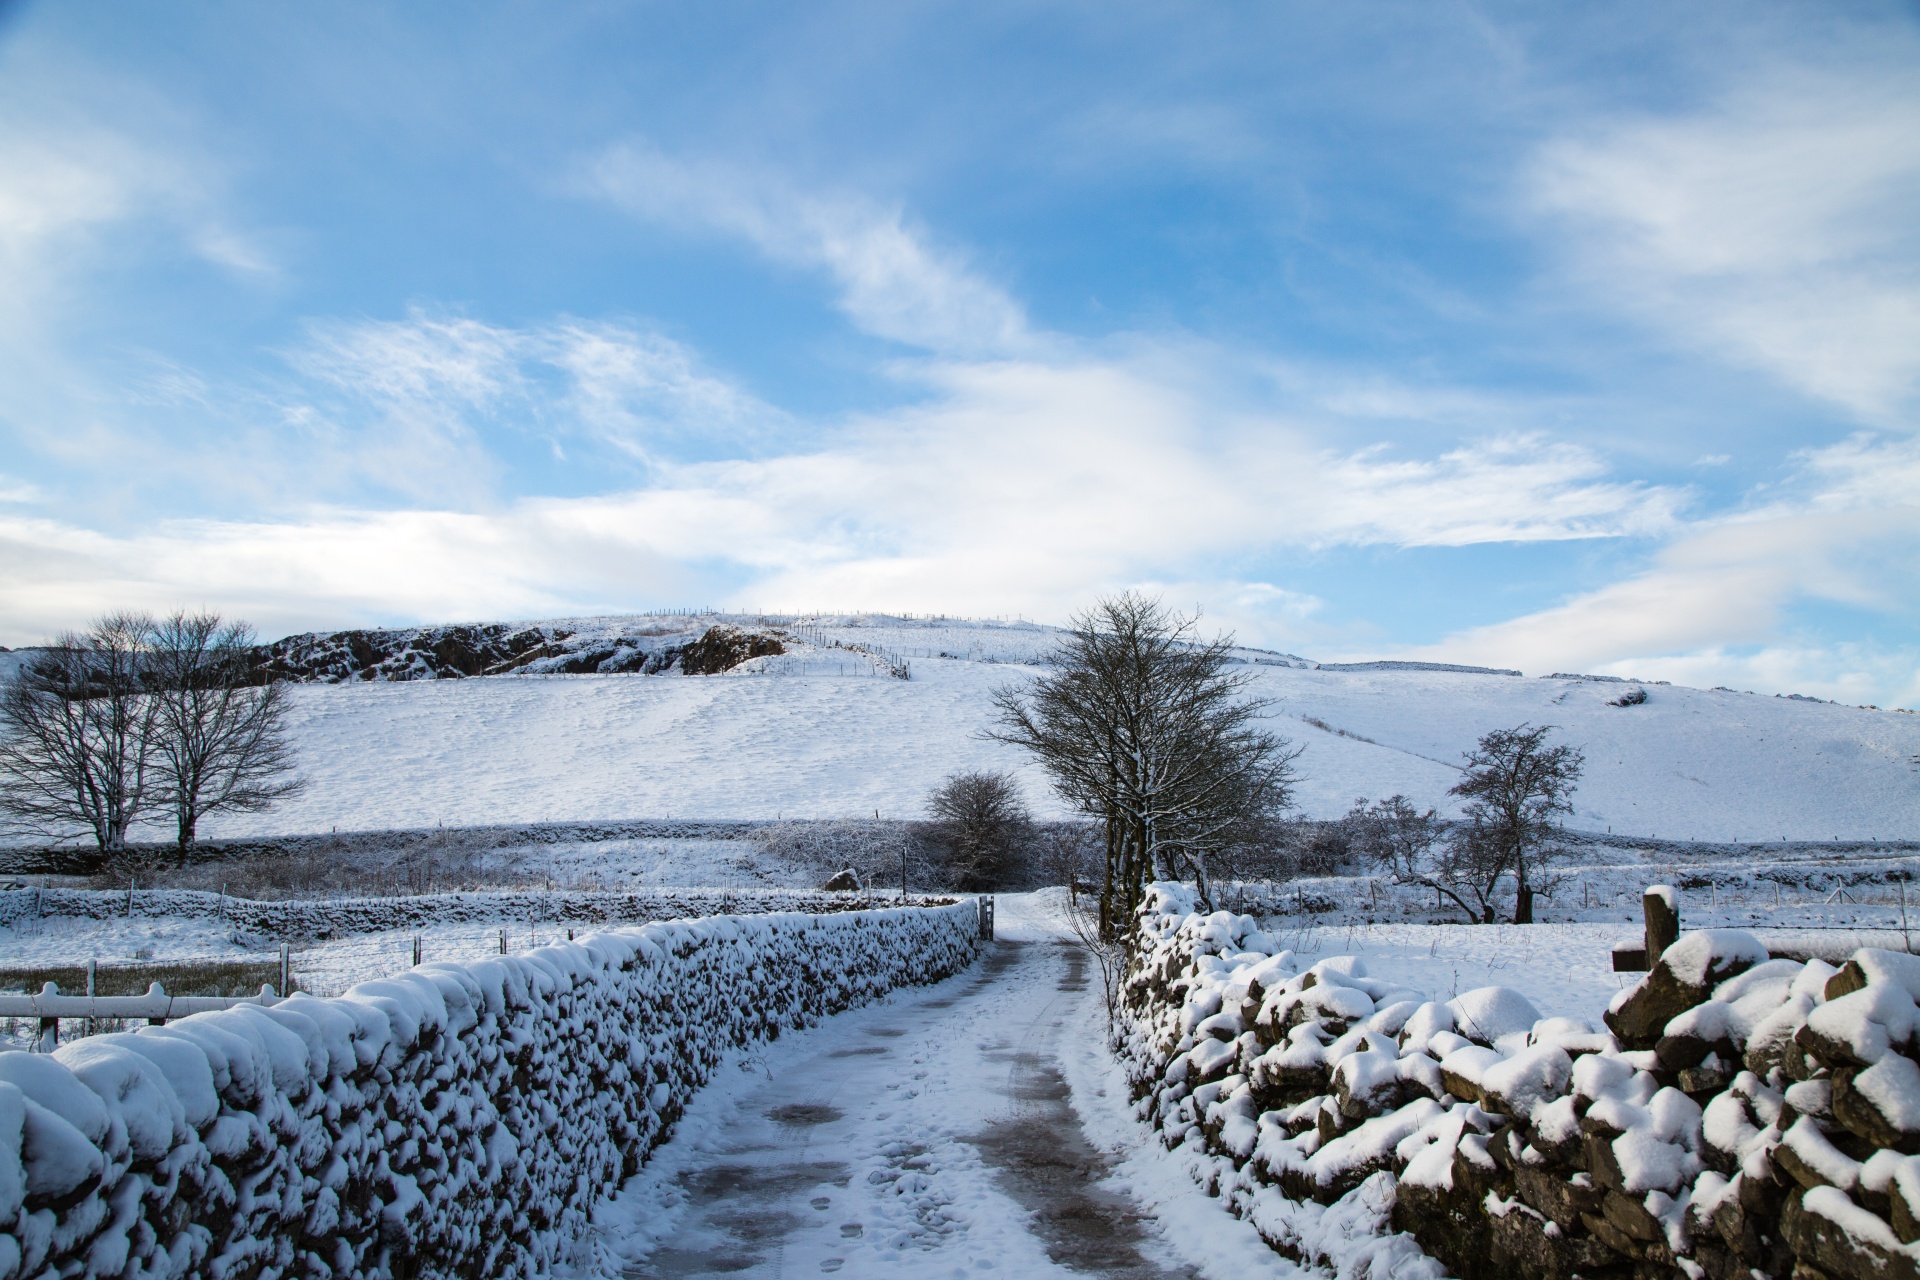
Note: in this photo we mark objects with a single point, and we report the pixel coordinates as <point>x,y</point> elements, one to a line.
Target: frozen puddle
<point>931,1135</point>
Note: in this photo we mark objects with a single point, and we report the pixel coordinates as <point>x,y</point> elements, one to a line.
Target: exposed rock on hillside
<point>448,653</point>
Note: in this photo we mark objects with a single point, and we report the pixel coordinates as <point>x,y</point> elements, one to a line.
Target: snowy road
<point>935,1134</point>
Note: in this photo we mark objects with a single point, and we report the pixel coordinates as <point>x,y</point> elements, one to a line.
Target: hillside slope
<point>821,731</point>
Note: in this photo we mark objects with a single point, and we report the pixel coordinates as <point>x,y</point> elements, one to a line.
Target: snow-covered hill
<point>823,731</point>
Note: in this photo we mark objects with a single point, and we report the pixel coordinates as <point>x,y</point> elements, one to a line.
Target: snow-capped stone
<point>1684,977</point>
<point>470,1116</point>
<point>1882,1104</point>
<point>1516,1085</point>
<point>1491,1015</point>
<point>1859,1028</point>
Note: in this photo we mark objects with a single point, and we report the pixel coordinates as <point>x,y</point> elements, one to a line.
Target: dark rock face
<point>1555,1196</point>
<point>843,882</point>
<point>1866,1119</point>
<point>426,653</point>
<point>724,648</point>
<point>451,653</point>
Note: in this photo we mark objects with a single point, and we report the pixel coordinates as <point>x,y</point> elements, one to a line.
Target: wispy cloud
<point>892,283</point>
<point>1840,531</point>
<point>12,490</point>
<point>417,405</point>
<point>1775,227</point>
<point>1011,485</point>
<point>65,183</point>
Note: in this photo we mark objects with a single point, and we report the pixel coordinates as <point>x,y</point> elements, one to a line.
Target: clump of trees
<point>1517,788</point>
<point>132,716</point>
<point>1142,725</point>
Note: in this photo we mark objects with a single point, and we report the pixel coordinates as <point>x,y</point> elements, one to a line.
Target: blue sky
<point>1564,338</point>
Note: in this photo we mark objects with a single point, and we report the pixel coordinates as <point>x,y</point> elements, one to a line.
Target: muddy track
<point>1046,1163</point>
<point>931,1136</point>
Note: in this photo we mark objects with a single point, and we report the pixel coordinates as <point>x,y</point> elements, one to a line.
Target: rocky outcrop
<point>458,652</point>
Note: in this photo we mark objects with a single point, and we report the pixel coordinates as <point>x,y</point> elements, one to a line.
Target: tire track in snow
<point>1046,1162</point>
<point>929,1135</point>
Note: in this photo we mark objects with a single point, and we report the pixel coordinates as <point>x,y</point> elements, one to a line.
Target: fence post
<point>416,951</point>
<point>1663,920</point>
<point>286,971</point>
<point>49,1039</point>
<point>156,992</point>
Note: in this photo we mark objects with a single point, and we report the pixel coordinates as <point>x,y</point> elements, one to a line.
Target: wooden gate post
<point>1662,928</point>
<point>49,1039</point>
<point>1663,920</point>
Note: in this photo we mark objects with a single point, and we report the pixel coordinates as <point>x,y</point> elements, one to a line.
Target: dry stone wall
<point>455,1121</point>
<point>1733,1117</point>
<point>338,917</point>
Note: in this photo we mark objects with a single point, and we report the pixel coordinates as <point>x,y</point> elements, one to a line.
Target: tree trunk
<point>1109,907</point>
<point>1523,905</point>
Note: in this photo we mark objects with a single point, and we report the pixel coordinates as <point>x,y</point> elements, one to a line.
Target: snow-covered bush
<point>454,1121</point>
<point>1740,1117</point>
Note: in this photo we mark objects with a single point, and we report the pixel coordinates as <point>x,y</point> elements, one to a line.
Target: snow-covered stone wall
<point>335,917</point>
<point>455,1121</point>
<point>1735,1117</point>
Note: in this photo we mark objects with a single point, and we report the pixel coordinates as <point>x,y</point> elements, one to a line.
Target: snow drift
<point>456,1120</point>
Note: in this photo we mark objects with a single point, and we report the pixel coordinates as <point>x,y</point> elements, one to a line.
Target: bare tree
<point>982,824</point>
<point>1066,854</point>
<point>1395,836</point>
<point>1141,725</point>
<point>1415,848</point>
<point>1516,789</point>
<point>222,743</point>
<point>77,730</point>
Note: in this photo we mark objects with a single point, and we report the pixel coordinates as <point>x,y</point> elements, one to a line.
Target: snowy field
<point>823,732</point>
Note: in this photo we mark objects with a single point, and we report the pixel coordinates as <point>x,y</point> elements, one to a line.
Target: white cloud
<point>66,184</point>
<point>1013,487</point>
<point>1776,227</point>
<point>892,283</point>
<point>1840,532</point>
<point>419,406</point>
<point>12,490</point>
<point>332,568</point>
<point>1861,674</point>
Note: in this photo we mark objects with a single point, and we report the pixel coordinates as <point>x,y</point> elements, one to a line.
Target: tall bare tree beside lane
<point>222,745</point>
<point>77,734</point>
<point>1140,724</point>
